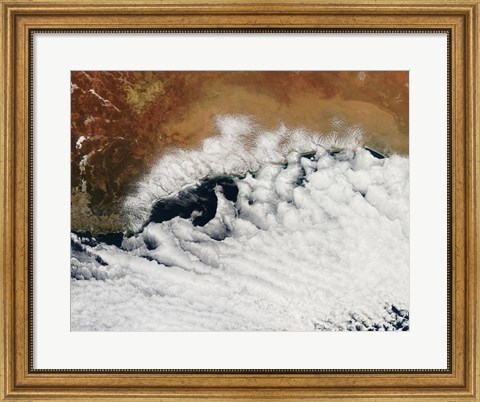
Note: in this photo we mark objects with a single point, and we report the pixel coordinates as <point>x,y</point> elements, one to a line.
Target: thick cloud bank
<point>317,242</point>
<point>241,147</point>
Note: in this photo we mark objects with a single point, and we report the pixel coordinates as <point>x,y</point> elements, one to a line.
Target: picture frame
<point>20,381</point>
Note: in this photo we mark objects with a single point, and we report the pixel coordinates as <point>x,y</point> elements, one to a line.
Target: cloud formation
<point>316,242</point>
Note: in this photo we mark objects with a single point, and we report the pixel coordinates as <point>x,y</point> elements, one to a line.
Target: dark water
<point>375,153</point>
<point>199,202</point>
<point>89,239</point>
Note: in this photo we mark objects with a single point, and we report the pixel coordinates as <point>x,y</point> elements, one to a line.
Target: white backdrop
<point>423,347</point>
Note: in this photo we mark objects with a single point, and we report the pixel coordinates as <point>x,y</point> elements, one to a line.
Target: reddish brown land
<point>122,122</point>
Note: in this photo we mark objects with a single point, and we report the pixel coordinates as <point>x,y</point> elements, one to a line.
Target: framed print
<point>239,201</point>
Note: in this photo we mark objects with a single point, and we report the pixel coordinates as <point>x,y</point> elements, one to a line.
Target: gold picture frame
<point>19,381</point>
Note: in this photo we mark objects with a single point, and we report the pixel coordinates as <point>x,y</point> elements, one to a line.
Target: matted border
<point>31,368</point>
